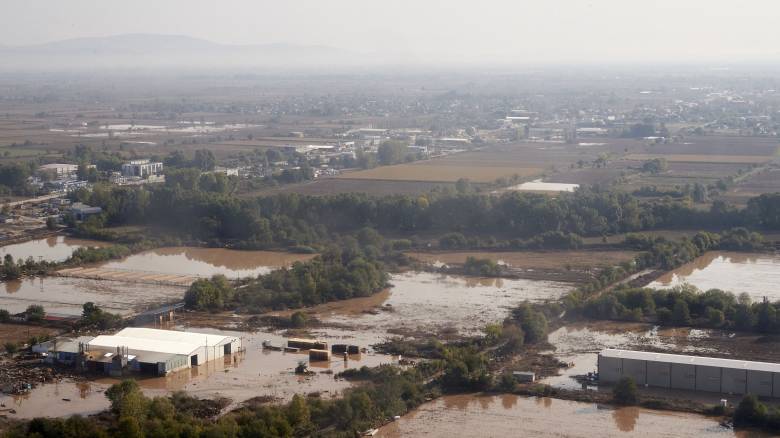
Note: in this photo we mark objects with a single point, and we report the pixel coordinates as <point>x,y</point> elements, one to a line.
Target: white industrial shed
<point>690,372</point>
<point>161,351</point>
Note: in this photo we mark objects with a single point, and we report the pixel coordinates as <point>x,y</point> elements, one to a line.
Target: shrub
<point>625,392</point>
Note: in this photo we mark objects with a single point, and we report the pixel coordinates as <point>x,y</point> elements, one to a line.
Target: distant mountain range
<point>168,51</point>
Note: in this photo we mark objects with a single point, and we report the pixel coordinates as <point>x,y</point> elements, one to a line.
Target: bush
<point>298,319</point>
<point>453,241</point>
<point>625,392</point>
<point>11,347</point>
<point>5,316</point>
<point>750,412</point>
<point>35,313</point>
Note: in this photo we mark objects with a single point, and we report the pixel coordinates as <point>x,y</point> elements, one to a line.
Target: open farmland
<point>764,181</point>
<point>703,158</point>
<point>439,172</point>
<point>526,160</point>
<point>333,186</point>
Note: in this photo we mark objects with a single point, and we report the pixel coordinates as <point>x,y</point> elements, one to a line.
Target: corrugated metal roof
<point>200,339</point>
<point>142,344</point>
<point>692,360</point>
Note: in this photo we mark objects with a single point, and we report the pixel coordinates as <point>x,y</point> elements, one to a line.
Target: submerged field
<point>512,415</point>
<point>755,274</point>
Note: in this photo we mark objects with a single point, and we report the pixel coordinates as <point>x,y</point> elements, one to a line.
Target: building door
<point>194,360</point>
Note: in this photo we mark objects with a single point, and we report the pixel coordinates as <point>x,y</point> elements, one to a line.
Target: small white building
<point>141,168</point>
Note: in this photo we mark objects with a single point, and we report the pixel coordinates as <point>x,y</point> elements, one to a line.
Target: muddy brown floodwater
<point>205,262</point>
<point>51,249</point>
<point>510,415</point>
<point>756,274</point>
<point>255,372</point>
<point>433,303</point>
<point>67,295</point>
<point>579,344</point>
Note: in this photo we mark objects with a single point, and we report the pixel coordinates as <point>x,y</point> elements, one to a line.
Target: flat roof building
<point>696,373</point>
<point>156,351</point>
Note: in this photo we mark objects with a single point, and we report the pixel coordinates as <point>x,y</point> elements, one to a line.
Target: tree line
<point>292,219</point>
<point>686,306</point>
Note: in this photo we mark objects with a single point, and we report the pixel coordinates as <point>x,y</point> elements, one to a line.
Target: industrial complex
<point>144,350</point>
<point>690,372</point>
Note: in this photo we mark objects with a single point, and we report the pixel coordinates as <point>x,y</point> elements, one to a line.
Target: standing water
<point>755,274</point>
<point>511,415</point>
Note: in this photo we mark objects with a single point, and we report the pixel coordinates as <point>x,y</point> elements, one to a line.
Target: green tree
<point>391,152</point>
<point>750,412</point>
<point>127,400</point>
<point>681,315</point>
<point>298,320</point>
<point>35,313</point>
<point>625,392</point>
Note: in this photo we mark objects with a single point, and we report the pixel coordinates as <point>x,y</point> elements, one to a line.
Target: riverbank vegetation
<point>336,274</point>
<point>685,306</point>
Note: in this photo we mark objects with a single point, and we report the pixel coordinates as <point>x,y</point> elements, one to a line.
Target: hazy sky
<point>540,30</point>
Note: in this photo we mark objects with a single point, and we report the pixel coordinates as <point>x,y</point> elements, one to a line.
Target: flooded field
<point>579,344</point>
<point>435,303</point>
<point>756,274</point>
<point>67,295</point>
<point>255,372</point>
<point>205,262</point>
<point>51,249</point>
<point>578,265</point>
<point>511,415</point>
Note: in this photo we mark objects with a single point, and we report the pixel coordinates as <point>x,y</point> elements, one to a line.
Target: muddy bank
<point>567,266</point>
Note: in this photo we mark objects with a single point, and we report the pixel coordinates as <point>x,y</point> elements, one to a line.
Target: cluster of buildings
<point>140,350</point>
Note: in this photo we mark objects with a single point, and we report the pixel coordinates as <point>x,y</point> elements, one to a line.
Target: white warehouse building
<point>696,373</point>
<point>157,351</point>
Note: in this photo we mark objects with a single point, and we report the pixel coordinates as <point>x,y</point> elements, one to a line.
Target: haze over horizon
<point>435,31</point>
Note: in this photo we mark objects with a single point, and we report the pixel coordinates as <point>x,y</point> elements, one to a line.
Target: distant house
<point>141,168</point>
<point>83,211</point>
<point>59,170</point>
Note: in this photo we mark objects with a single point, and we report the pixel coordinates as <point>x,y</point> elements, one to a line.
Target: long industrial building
<point>696,373</point>
<point>146,350</point>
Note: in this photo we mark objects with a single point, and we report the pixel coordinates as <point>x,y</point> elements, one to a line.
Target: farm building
<point>690,372</point>
<point>145,350</point>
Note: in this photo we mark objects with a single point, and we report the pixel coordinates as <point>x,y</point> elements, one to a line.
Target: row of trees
<point>685,306</point>
<point>290,219</point>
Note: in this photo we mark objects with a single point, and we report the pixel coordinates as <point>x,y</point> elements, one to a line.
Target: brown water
<point>205,262</point>
<point>430,303</point>
<point>67,295</point>
<point>52,249</point>
<point>514,416</point>
<point>756,274</point>
<point>579,344</point>
<point>256,372</point>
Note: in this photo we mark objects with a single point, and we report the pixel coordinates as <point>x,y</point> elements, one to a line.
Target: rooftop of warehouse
<point>691,360</point>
